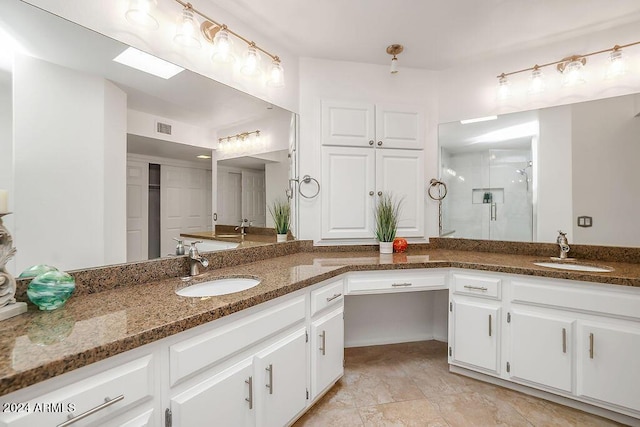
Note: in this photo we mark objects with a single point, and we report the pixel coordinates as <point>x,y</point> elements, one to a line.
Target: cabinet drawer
<point>476,285</point>
<point>124,385</point>
<point>396,281</point>
<point>326,296</point>
<point>209,348</point>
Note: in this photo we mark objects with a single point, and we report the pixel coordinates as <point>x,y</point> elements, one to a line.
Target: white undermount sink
<point>574,266</point>
<point>218,287</point>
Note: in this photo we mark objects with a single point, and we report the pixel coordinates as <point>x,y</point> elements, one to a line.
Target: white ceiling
<point>437,34</point>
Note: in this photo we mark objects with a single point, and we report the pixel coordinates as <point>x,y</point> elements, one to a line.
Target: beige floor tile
<point>472,409</point>
<point>374,387</point>
<point>419,413</point>
<point>340,417</point>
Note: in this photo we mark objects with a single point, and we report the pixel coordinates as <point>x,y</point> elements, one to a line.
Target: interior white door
<point>229,197</point>
<point>254,204</point>
<point>137,210</point>
<point>347,123</point>
<point>348,192</point>
<point>400,126</point>
<point>401,172</point>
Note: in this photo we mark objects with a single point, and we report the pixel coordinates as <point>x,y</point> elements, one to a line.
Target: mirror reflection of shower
<point>523,172</point>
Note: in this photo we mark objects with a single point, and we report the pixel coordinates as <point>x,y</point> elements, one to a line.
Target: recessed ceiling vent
<point>163,128</point>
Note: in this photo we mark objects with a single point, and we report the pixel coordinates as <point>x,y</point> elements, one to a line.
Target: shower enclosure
<point>490,194</point>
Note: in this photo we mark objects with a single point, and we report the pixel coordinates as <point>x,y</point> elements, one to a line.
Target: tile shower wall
<point>495,172</point>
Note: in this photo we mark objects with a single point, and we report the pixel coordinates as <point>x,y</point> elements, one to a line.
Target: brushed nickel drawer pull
<point>477,288</point>
<point>397,285</point>
<point>107,402</point>
<point>270,385</point>
<point>329,299</point>
<point>489,325</point>
<point>591,346</point>
<point>250,398</point>
<point>323,347</point>
<point>564,340</point>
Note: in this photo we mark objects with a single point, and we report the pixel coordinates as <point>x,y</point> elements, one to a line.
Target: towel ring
<point>434,183</point>
<point>306,180</point>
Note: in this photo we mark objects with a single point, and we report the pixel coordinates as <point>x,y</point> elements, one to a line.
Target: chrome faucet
<point>195,260</point>
<point>245,223</point>
<point>564,244</point>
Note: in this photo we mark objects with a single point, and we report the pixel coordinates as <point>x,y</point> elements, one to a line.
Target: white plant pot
<point>386,247</point>
<point>281,238</point>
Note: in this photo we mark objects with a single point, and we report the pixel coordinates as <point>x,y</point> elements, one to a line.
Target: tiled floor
<point>410,385</point>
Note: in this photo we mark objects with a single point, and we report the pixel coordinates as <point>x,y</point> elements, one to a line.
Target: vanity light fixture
<point>570,67</point>
<point>140,13</point>
<point>187,28</point>
<point>239,138</point>
<point>394,49</point>
<point>142,61</point>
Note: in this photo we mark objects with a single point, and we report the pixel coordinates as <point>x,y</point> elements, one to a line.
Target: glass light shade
<point>503,88</point>
<point>536,85</point>
<point>276,75</point>
<point>140,13</point>
<point>573,74</point>
<point>187,29</point>
<point>251,65</point>
<point>222,46</point>
<point>394,65</point>
<point>617,65</point>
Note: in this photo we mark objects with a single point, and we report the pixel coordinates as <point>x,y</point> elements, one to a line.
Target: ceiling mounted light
<point>142,61</point>
<point>536,85</point>
<point>503,87</point>
<point>276,74</point>
<point>187,28</point>
<point>140,13</point>
<point>617,66</point>
<point>394,49</point>
<point>251,65</point>
<point>572,70</point>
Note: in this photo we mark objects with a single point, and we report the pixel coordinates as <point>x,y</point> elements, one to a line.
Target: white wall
<point>60,141</point>
<point>6,150</point>
<point>276,177</point>
<point>108,18</point>
<point>144,124</point>
<point>349,81</point>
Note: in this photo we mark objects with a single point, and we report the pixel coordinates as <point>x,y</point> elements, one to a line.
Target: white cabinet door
<point>348,192</point>
<point>608,366</point>
<point>541,349</point>
<point>401,172</point>
<point>327,351</point>
<point>280,384</point>
<point>476,335</point>
<point>399,127</point>
<point>347,123</point>
<point>223,400</point>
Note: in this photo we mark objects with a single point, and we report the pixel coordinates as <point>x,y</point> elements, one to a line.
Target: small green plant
<point>281,213</point>
<point>387,213</point>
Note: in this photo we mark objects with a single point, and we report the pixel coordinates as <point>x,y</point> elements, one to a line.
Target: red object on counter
<point>399,244</point>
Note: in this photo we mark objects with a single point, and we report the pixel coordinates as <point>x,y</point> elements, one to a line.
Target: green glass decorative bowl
<point>51,290</point>
<point>36,270</point>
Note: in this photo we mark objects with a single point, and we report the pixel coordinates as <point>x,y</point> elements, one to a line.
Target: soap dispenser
<point>179,246</point>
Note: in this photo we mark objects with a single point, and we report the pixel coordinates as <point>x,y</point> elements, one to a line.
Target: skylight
<point>142,61</point>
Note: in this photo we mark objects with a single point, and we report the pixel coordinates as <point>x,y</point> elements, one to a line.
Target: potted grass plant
<point>281,213</point>
<point>387,213</point>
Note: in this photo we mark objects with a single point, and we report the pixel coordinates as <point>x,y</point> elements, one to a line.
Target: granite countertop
<point>39,345</point>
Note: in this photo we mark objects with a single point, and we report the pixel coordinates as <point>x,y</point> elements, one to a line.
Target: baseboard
<point>391,340</point>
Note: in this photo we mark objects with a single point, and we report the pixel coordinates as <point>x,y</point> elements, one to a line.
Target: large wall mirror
<point>524,176</point>
<point>106,164</point>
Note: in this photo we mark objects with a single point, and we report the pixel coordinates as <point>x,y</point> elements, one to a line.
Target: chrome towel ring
<point>305,180</point>
<point>439,185</point>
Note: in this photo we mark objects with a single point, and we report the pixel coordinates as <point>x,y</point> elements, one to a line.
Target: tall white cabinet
<point>367,150</point>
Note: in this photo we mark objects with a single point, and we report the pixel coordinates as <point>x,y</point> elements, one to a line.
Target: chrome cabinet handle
<point>107,402</point>
<point>379,143</point>
<point>591,346</point>
<point>270,385</point>
<point>494,212</point>
<point>371,142</point>
<point>371,193</point>
<point>478,288</point>
<point>250,398</point>
<point>397,285</point>
<point>329,299</point>
<point>564,340</point>
<point>489,325</point>
<point>323,346</point>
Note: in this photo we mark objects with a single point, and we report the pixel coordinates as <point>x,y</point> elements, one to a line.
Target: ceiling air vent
<point>163,128</point>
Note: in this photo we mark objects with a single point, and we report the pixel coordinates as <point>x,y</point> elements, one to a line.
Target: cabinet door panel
<point>399,127</point>
<point>475,335</point>
<point>347,179</point>
<point>401,172</point>
<point>347,123</point>
<point>281,380</point>
<point>608,364</point>
<point>327,351</point>
<point>541,349</point>
<point>219,400</point>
